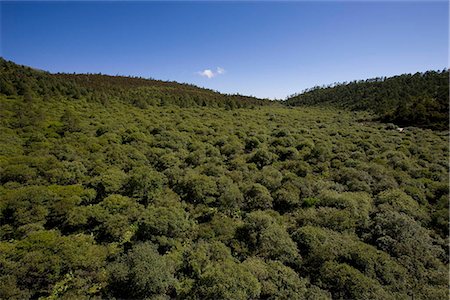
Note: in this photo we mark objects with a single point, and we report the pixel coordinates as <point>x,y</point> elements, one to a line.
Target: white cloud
<point>207,73</point>
<point>220,70</point>
<point>210,73</point>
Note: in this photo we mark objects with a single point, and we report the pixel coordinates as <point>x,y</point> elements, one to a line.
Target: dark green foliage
<point>277,280</point>
<point>348,283</point>
<point>141,273</point>
<point>165,224</point>
<point>139,92</point>
<point>144,184</point>
<point>335,258</point>
<point>264,236</point>
<point>262,158</point>
<point>258,197</point>
<point>218,274</point>
<point>419,99</point>
<point>413,246</point>
<point>125,188</point>
<point>70,122</point>
<point>45,258</point>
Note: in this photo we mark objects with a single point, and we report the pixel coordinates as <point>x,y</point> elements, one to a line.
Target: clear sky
<point>269,49</point>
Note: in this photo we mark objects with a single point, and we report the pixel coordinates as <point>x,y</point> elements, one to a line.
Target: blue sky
<point>269,49</point>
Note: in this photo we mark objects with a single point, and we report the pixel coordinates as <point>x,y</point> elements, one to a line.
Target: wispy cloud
<point>220,70</point>
<point>208,73</point>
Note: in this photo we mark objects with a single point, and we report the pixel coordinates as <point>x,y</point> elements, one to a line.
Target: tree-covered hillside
<point>28,82</point>
<point>420,99</point>
<point>101,198</point>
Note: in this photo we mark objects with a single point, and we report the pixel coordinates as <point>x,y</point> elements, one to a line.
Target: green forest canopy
<point>28,82</point>
<point>115,189</point>
<point>420,99</point>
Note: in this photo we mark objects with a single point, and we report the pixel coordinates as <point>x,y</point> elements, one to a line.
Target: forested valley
<point>117,187</point>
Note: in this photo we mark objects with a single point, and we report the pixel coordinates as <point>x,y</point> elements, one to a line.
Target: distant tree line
<point>420,99</point>
<point>141,92</point>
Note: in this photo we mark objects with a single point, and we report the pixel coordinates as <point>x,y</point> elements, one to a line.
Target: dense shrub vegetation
<point>108,199</point>
<point>419,99</point>
<point>140,92</point>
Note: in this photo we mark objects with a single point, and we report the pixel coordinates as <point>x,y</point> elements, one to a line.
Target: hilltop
<point>419,99</point>
<point>141,92</point>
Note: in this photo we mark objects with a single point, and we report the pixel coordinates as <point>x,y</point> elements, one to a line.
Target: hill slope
<point>22,80</point>
<point>419,99</point>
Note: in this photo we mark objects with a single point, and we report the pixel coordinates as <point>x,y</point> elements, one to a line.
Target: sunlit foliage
<point>103,197</point>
